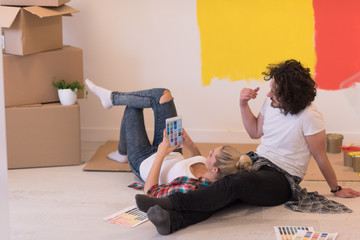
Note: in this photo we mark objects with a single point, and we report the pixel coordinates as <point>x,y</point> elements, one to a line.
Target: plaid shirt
<point>181,184</point>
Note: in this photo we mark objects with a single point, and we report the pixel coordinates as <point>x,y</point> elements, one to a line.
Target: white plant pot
<point>67,96</point>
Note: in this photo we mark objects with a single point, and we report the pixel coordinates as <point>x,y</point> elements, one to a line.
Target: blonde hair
<point>230,161</point>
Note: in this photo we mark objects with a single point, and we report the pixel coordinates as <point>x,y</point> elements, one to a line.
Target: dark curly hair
<point>294,87</point>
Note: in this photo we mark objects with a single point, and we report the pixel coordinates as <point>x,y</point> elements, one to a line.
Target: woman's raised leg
<point>138,146</point>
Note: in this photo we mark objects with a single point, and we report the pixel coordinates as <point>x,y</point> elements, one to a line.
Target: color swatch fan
<point>129,217</point>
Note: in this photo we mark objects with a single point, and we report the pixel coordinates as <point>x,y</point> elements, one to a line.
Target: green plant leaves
<point>74,86</point>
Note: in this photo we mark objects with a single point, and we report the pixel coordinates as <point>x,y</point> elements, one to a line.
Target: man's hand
<point>347,193</point>
<point>246,94</point>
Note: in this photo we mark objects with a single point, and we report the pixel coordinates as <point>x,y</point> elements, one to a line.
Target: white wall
<point>137,44</point>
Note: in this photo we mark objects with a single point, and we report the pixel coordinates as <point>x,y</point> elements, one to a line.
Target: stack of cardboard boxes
<point>40,131</point>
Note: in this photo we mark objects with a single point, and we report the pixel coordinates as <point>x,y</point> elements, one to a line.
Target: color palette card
<point>173,131</point>
<point>129,217</point>
<point>288,232</point>
<point>310,235</point>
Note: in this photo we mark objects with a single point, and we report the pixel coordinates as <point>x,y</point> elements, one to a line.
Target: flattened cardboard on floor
<point>43,135</point>
<point>28,79</point>
<point>28,30</point>
<point>100,161</point>
<point>45,3</point>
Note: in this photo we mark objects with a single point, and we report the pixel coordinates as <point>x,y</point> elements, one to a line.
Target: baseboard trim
<point>202,135</point>
<point>199,135</point>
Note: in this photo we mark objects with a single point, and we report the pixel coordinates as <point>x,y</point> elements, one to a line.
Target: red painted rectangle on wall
<point>337,43</point>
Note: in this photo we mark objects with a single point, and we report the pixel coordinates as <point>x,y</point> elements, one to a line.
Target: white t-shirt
<point>174,165</point>
<point>283,142</point>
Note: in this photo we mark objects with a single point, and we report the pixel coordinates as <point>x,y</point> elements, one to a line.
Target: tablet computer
<point>174,130</point>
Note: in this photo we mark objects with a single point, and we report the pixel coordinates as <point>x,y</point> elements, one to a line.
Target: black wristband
<point>338,188</point>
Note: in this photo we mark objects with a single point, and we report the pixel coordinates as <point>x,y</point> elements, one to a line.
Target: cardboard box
<point>43,135</point>
<point>47,3</point>
<point>28,79</point>
<point>33,29</point>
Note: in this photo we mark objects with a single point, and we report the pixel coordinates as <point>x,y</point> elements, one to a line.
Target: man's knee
<point>166,97</point>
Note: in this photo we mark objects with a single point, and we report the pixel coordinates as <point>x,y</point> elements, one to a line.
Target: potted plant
<point>68,92</point>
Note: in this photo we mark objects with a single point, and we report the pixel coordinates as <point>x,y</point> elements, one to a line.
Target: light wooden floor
<point>68,203</point>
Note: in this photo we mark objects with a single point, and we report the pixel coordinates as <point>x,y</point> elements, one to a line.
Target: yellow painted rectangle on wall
<point>239,38</point>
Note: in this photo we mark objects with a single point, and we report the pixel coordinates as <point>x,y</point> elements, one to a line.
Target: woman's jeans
<point>134,140</point>
<point>264,187</point>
